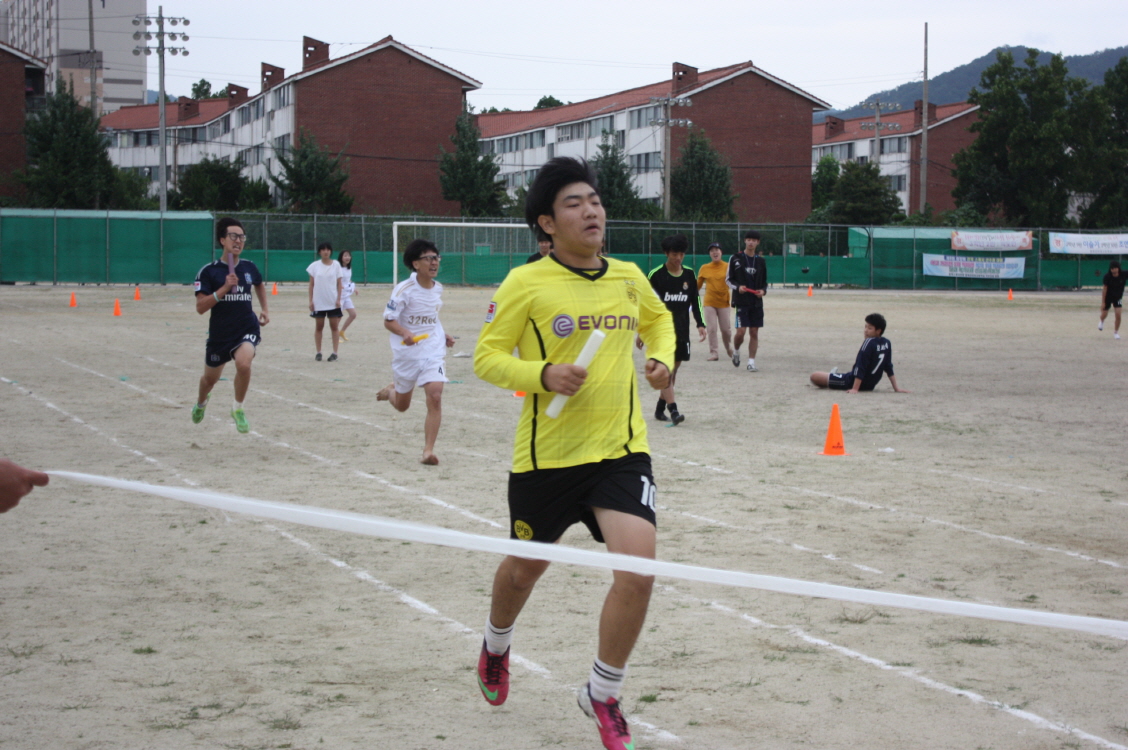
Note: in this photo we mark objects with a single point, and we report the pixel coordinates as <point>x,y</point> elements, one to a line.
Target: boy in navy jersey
<point>676,286</point>
<point>874,358</point>
<point>224,287</point>
<point>1112,294</point>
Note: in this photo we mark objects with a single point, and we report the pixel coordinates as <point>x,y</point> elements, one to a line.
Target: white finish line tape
<point>356,523</point>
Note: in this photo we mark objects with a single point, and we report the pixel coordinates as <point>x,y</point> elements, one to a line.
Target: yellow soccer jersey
<point>547,310</point>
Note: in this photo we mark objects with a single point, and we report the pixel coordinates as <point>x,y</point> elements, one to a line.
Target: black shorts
<point>844,381</point>
<point>681,349</point>
<point>221,352</point>
<point>334,313</point>
<point>543,503</point>
<point>751,316</point>
<point>1113,303</point>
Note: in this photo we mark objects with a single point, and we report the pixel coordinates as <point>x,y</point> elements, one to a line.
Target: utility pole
<point>93,63</point>
<point>667,122</point>
<point>924,130</point>
<point>162,135</point>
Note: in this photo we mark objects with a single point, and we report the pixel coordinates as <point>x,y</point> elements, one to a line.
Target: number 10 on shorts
<point>649,492</point>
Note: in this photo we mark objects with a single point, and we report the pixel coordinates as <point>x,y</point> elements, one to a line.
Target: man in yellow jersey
<point>590,464</point>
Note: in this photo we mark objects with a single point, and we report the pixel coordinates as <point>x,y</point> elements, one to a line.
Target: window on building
<point>258,108</point>
<point>536,139</point>
<point>897,182</point>
<point>640,118</point>
<point>597,126</point>
<point>485,147</point>
<point>621,138</point>
<point>648,162</point>
<point>282,96</point>
<point>530,175</point>
<point>895,145</point>
<point>573,132</point>
<point>551,150</point>
<point>225,124</point>
<point>243,115</point>
<point>282,144</point>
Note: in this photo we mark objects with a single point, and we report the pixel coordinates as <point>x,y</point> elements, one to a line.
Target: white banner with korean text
<point>998,241</point>
<point>1089,244</point>
<point>967,267</point>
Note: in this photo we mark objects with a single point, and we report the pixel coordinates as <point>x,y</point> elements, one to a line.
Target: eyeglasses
<point>429,258</point>
<point>236,237</point>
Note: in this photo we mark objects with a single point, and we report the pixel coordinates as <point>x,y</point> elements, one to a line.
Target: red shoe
<point>493,676</point>
<point>612,725</point>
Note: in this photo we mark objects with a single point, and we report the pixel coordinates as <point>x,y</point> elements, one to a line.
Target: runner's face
<point>427,265</point>
<point>346,257</point>
<point>715,253</point>
<point>675,259</point>
<point>234,246</point>
<point>326,254</point>
<point>578,220</point>
<point>871,332</point>
<point>750,246</point>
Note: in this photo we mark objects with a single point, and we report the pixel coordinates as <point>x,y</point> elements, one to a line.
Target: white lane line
<point>120,381</point>
<point>912,674</point>
<point>970,478</point>
<point>143,456</point>
<point>455,625</point>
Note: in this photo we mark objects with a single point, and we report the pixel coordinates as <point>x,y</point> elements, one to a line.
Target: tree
<point>212,184</point>
<point>469,176</point>
<point>701,183</point>
<point>312,180</point>
<point>617,190</point>
<point>1105,163</point>
<point>68,159</point>
<point>202,89</point>
<point>1022,168</point>
<point>862,196</point>
<point>823,181</point>
<point>548,100</point>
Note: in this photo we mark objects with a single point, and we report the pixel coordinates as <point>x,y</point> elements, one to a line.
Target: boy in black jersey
<point>874,358</point>
<point>676,286</point>
<point>1112,292</point>
<point>748,280</point>
<point>224,287</point>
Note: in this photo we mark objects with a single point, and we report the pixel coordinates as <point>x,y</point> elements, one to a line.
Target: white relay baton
<point>587,354</point>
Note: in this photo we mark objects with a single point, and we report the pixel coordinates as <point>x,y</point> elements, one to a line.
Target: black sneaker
<point>332,357</point>
<point>660,415</point>
<point>677,417</point>
<point>318,357</point>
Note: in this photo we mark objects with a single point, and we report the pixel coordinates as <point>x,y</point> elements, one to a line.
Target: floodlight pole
<point>162,133</point>
<point>924,131</point>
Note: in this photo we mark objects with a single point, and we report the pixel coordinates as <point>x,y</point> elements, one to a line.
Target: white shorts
<point>346,303</point>
<point>409,373</point>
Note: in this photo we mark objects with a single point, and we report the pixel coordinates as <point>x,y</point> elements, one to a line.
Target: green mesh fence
<point>119,247</point>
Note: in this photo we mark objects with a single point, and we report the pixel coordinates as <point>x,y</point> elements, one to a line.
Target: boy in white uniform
<point>418,340</point>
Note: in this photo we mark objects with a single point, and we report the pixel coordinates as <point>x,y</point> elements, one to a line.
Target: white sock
<point>1100,325</point>
<point>238,405</point>
<point>605,681</point>
<point>752,361</point>
<point>497,641</point>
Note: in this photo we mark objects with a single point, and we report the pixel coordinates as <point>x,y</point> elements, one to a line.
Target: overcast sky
<point>837,51</point>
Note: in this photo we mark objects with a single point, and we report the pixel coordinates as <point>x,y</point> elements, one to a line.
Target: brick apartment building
<point>22,89</point>
<point>387,108</point>
<point>756,121</point>
<point>899,161</point>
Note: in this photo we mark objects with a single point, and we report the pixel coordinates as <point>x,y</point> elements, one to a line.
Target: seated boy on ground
<point>874,358</point>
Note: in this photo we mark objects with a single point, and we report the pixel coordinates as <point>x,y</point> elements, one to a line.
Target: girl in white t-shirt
<point>325,296</point>
<point>348,289</point>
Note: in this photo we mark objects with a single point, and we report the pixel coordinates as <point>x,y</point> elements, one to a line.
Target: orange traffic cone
<point>1010,294</point>
<point>137,292</point>
<point>117,307</point>
<point>274,289</point>
<point>74,301</point>
<point>835,446</point>
<point>810,292</point>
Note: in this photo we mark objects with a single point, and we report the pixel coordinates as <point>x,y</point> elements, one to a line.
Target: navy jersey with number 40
<point>233,317</point>
<point>874,358</point>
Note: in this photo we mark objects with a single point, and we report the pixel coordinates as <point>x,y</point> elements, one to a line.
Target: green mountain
<point>954,85</point>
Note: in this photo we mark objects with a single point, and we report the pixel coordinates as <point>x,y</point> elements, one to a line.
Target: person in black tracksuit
<point>748,280</point>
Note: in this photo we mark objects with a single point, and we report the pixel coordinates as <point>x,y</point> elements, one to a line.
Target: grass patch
<point>648,698</point>
<point>976,640</point>
<point>145,650</point>
<point>24,651</point>
<point>856,618</point>
<point>284,724</point>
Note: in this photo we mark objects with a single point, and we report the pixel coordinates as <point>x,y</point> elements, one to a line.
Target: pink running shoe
<point>493,676</point>
<point>610,720</point>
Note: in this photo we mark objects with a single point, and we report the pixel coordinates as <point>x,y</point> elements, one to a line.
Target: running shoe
<point>318,357</point>
<point>609,718</point>
<point>752,368</point>
<point>676,417</point>
<point>240,418</point>
<point>493,676</point>
<point>660,415</point>
<point>736,359</point>
<point>1100,325</point>
<point>332,357</point>
<point>1116,335</point>
<point>198,411</point>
